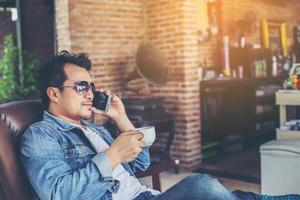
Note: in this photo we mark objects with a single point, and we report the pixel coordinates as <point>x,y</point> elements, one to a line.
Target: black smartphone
<point>101,101</point>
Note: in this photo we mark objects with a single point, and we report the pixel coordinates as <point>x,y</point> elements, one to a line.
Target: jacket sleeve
<point>52,177</point>
<point>142,161</point>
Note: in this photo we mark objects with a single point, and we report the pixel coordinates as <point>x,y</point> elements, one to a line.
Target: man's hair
<point>52,74</point>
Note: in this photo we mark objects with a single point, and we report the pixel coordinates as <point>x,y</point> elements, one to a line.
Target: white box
<point>280,164</point>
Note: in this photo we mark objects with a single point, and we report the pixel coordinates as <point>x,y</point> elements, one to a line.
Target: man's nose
<point>89,94</point>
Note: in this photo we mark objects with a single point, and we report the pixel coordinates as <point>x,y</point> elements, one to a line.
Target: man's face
<point>71,105</point>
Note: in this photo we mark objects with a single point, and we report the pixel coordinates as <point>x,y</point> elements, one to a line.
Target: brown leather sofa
<point>15,117</point>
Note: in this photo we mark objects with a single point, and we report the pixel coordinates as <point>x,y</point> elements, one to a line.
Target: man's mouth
<point>89,104</point>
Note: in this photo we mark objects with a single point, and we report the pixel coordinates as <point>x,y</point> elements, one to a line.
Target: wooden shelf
<point>245,81</point>
<point>229,107</point>
<point>288,97</point>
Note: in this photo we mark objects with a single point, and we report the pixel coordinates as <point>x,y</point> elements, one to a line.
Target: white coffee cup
<point>149,134</point>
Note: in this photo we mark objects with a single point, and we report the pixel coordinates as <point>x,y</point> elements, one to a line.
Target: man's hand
<point>125,148</point>
<point>116,113</point>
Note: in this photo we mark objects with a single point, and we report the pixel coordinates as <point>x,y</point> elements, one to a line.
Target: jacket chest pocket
<point>77,155</point>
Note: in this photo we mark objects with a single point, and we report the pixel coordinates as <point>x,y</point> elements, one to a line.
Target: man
<point>67,157</point>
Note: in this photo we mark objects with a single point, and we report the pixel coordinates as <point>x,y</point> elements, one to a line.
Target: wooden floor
<point>238,170</point>
<point>241,165</point>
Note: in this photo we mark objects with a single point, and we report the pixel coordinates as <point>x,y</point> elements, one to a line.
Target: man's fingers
<point>137,151</point>
<point>106,91</point>
<point>139,135</point>
<point>129,132</point>
<point>142,144</point>
<point>134,133</point>
<point>97,111</point>
<point>116,98</point>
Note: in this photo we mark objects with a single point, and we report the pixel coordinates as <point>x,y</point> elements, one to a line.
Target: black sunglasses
<point>82,87</point>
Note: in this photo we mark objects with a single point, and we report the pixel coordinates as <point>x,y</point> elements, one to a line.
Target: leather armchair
<point>15,117</point>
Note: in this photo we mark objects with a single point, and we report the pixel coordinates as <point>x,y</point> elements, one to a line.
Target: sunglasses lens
<point>93,87</point>
<point>82,87</point>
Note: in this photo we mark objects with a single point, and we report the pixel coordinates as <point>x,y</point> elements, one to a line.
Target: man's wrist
<point>124,124</point>
<point>112,157</point>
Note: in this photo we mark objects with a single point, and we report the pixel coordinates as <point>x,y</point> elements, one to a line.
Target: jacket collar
<point>60,123</point>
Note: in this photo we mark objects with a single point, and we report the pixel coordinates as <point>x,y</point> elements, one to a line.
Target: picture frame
<point>274,36</point>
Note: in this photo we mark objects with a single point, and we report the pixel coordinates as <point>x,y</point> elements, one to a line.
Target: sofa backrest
<point>15,118</point>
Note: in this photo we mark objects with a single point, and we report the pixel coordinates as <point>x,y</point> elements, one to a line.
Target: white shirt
<point>130,187</point>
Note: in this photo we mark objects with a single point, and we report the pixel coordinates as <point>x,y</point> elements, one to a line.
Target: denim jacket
<point>61,163</point>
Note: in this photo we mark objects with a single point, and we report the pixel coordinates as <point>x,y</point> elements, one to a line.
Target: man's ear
<point>53,94</point>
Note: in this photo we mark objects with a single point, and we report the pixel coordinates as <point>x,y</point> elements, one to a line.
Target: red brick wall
<point>172,26</point>
<point>62,25</point>
<point>110,31</point>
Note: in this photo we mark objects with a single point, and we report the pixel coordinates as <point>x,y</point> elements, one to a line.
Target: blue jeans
<point>203,187</point>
